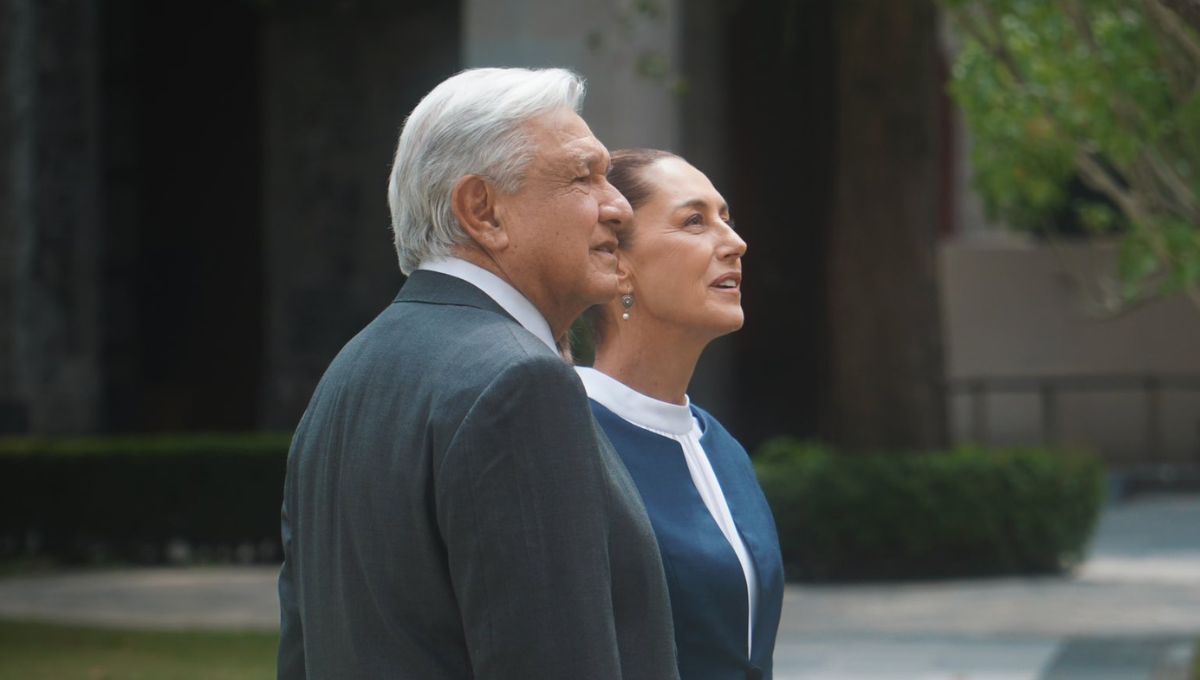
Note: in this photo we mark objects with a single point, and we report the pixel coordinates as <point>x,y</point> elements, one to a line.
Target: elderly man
<point>450,509</point>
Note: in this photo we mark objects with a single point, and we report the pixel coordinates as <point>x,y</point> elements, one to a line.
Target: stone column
<point>13,409</point>
<point>630,58</point>
<point>50,236</point>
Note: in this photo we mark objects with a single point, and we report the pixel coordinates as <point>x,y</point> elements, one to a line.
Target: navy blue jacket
<point>704,577</point>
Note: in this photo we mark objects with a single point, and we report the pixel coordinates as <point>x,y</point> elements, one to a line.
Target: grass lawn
<point>38,650</point>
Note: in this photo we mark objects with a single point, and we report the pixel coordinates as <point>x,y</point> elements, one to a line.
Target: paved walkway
<point>1132,612</point>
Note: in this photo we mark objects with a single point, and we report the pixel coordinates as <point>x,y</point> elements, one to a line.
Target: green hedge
<point>125,498</point>
<point>968,512</point>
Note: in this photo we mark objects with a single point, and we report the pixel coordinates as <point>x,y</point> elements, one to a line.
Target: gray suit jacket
<point>452,511</point>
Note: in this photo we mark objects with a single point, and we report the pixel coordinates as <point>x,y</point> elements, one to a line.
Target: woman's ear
<point>624,275</point>
<point>473,202</point>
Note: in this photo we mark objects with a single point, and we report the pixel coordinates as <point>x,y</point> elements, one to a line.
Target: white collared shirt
<point>676,422</point>
<point>510,299</point>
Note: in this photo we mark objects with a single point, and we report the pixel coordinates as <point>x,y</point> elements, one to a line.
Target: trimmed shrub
<point>125,498</point>
<point>967,512</point>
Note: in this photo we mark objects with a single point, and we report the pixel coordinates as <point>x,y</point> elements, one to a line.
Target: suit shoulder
<point>540,373</point>
<point>466,349</point>
<point>501,349</point>
<point>459,335</point>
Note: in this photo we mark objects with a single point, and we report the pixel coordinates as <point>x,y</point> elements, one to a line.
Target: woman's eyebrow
<point>701,204</point>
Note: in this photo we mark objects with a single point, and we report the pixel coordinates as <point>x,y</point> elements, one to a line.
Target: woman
<point>680,288</point>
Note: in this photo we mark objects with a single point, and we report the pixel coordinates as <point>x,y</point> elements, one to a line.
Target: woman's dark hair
<point>625,173</point>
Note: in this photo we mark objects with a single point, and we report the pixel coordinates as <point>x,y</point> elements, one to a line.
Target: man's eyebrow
<point>701,204</point>
<point>588,157</point>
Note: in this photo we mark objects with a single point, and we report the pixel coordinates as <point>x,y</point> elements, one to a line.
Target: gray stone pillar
<point>338,80</point>
<point>50,237</point>
<point>630,58</point>
<point>13,410</point>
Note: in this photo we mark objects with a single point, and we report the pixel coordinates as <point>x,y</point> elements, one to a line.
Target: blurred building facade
<point>1034,354</point>
<point>194,217</point>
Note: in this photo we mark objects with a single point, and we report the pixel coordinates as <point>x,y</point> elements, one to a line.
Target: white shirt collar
<point>509,298</point>
<point>646,412</point>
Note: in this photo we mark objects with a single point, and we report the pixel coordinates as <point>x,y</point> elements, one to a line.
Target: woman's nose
<point>733,244</point>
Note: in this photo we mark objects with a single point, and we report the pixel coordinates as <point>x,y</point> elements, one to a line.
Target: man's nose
<point>614,209</point>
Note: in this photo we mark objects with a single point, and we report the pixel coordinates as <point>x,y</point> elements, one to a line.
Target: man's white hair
<point>471,124</point>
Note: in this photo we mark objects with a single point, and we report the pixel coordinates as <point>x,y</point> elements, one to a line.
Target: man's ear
<point>473,202</point>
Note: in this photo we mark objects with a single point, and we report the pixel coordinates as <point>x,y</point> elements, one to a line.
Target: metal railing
<point>1051,389</point>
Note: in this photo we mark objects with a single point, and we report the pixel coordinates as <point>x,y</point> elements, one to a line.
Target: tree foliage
<point>1106,92</point>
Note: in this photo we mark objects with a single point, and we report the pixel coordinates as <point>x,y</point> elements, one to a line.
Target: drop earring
<point>626,302</point>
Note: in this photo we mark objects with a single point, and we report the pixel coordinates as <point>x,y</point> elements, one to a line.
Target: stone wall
<point>51,229</point>
<point>13,410</point>
<point>1015,309</point>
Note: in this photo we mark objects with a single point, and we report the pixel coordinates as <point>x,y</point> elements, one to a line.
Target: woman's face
<point>684,260</point>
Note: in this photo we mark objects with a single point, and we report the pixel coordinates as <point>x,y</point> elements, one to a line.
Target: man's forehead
<point>565,137</point>
<point>575,154</point>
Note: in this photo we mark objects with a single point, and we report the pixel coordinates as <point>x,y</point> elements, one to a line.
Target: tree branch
<point>1167,20</point>
<point>1000,48</point>
<point>1101,179</point>
<point>1175,185</point>
<point>1177,196</point>
<point>1079,18</point>
<point>1188,10</point>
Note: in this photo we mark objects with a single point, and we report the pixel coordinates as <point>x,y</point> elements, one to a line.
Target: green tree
<point>1103,91</point>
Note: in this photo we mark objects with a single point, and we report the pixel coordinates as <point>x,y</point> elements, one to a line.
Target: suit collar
<point>442,289</point>
<point>504,293</point>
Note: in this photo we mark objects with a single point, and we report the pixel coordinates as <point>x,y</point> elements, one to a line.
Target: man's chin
<point>603,290</point>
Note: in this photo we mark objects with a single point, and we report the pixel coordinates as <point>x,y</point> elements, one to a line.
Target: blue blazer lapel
<point>754,521</point>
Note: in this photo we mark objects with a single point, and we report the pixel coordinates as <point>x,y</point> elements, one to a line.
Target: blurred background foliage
<point>1103,94</point>
<point>966,512</point>
<point>149,499</point>
<point>204,498</point>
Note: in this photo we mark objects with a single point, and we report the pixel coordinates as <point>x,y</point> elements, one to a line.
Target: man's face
<point>563,223</point>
